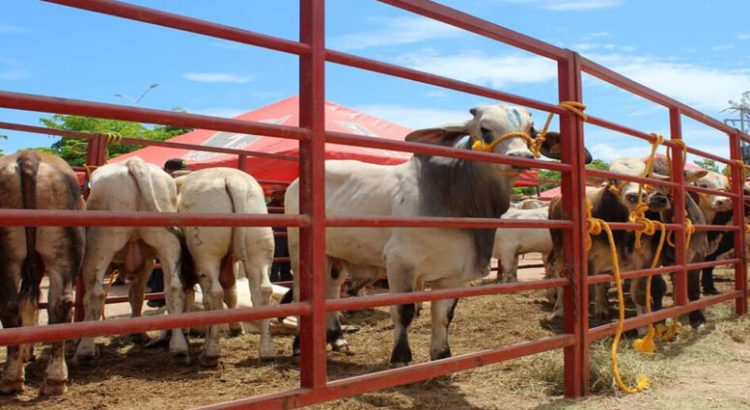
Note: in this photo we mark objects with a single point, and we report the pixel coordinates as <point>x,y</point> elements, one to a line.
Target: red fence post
<point>312,194</point>
<point>678,165</point>
<point>242,162</point>
<point>576,357</point>
<point>738,180</point>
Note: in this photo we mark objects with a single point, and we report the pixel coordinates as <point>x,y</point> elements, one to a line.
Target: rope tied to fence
<point>596,226</point>
<point>534,143</point>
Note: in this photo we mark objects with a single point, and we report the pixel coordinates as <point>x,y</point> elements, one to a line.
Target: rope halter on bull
<point>534,143</point>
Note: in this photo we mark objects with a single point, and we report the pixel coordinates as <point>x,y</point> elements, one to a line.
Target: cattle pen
<point>314,386</point>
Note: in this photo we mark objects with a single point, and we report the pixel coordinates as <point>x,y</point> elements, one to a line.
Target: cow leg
<point>401,280</point>
<point>13,374</point>
<point>101,246</point>
<point>512,273</point>
<point>136,296</point>
<point>658,290</point>
<point>707,281</point>
<point>174,294</point>
<point>694,293</point>
<point>601,308</point>
<point>260,293</point>
<point>442,315</point>
<point>334,331</point>
<point>60,310</point>
<point>638,296</point>
<point>230,298</point>
<point>213,293</point>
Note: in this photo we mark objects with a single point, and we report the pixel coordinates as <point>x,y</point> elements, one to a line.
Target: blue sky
<point>695,51</point>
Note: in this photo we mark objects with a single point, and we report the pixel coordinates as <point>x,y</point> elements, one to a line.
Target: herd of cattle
<point>213,257</point>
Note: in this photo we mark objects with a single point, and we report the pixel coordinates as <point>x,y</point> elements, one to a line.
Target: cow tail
<point>237,193</point>
<point>32,268</point>
<point>139,171</point>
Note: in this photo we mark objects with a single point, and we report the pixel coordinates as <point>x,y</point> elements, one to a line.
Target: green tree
<point>708,164</point>
<point>73,150</point>
<point>2,137</point>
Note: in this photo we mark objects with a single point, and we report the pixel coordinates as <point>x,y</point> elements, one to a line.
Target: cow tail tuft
<point>32,268</point>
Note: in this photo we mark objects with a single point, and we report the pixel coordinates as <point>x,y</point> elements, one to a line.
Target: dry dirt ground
<point>702,369</point>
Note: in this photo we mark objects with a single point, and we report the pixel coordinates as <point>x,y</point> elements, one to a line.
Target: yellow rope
<point>595,227</point>
<point>112,278</point>
<point>534,143</point>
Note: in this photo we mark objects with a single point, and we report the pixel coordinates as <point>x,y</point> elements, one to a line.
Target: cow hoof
<point>711,292</point>
<point>140,338</point>
<point>208,361</point>
<point>267,353</point>
<point>180,359</point>
<point>162,341</point>
<point>340,345</point>
<point>235,331</point>
<point>53,388</point>
<point>396,365</point>
<point>85,358</point>
<point>11,386</point>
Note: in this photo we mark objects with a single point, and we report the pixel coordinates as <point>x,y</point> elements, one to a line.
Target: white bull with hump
<point>132,185</point>
<point>215,250</point>
<point>423,186</point>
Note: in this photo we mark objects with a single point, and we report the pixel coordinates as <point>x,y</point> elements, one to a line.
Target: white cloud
<point>396,31</point>
<point>704,87</point>
<point>225,112</point>
<point>723,47</point>
<point>10,29</point>
<point>12,70</point>
<point>580,4</point>
<point>743,36</point>
<point>216,77</point>
<point>480,68</point>
<point>413,117</point>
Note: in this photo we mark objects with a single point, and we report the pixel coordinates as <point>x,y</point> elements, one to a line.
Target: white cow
<point>132,185</point>
<point>423,186</point>
<point>215,250</point>
<point>511,242</point>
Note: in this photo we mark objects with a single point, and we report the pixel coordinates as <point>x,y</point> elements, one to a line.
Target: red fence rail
<point>312,136</point>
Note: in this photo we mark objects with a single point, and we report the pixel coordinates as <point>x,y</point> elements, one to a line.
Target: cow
<point>132,185</point>
<point>511,242</point>
<point>216,250</point>
<point>530,203</point>
<point>612,201</point>
<point>425,185</point>
<point>717,210</point>
<point>36,180</point>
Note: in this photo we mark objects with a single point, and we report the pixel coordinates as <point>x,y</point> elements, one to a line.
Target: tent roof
<point>286,112</point>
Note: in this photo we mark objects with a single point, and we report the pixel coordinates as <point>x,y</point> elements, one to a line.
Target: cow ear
<point>444,135</point>
<point>692,175</point>
<point>551,147</point>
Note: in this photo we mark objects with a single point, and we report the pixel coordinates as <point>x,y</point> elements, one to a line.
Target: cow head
<point>711,203</point>
<point>488,127</point>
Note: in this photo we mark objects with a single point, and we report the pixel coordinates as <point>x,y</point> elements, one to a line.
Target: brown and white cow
<point>612,201</point>
<point>132,185</point>
<point>35,180</point>
<point>425,185</point>
<point>216,250</point>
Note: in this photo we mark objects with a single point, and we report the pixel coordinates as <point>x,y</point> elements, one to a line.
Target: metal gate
<point>312,136</point>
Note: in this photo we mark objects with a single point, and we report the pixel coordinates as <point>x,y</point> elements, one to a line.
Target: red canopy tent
<point>285,112</point>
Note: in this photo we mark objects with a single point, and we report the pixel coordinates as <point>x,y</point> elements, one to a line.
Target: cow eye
<point>703,185</point>
<point>484,130</point>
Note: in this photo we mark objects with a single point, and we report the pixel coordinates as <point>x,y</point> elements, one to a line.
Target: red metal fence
<point>576,336</point>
